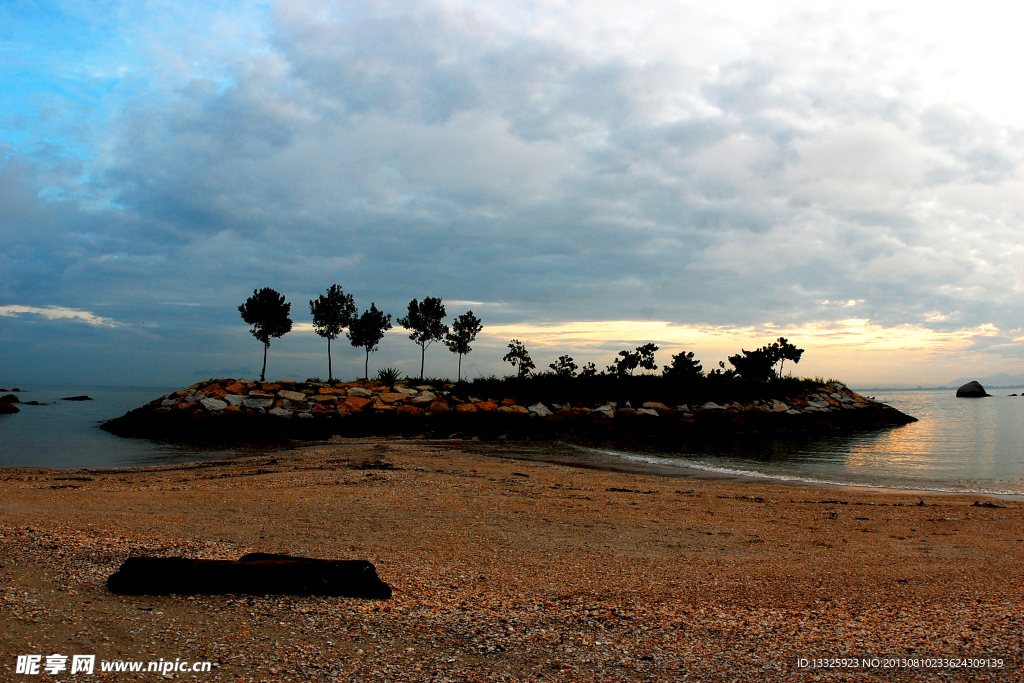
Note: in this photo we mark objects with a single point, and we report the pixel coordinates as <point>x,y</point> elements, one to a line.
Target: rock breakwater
<point>229,410</point>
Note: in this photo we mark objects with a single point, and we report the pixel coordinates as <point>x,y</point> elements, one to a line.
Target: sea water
<point>958,444</point>
<point>974,445</point>
<point>67,435</point>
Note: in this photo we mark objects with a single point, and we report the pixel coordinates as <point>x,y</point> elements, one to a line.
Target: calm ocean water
<point>974,445</point>
<point>66,434</point>
<point>958,444</point>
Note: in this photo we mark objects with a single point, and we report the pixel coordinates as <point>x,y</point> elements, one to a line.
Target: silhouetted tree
<point>589,370</point>
<point>332,313</point>
<point>625,364</point>
<point>721,372</point>
<point>646,353</point>
<point>628,361</point>
<point>684,366</point>
<point>760,363</point>
<point>267,312</point>
<point>787,351</point>
<point>464,331</point>
<point>519,357</point>
<point>425,322</point>
<point>564,367</point>
<point>367,330</point>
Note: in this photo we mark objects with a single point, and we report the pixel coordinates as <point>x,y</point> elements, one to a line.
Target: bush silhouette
<point>628,361</point>
<point>564,367</point>
<point>684,367</point>
<point>760,363</point>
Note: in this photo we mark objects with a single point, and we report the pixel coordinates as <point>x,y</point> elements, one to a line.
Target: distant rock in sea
<point>77,398</point>
<point>10,398</point>
<point>6,408</point>
<point>971,390</point>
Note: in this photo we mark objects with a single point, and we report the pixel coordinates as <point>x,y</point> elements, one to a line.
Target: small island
<point>229,410</point>
<point>680,405</point>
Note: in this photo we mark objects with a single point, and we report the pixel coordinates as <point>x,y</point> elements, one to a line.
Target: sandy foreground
<point>511,570</point>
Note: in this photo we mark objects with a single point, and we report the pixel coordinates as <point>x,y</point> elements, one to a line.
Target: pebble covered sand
<point>510,570</point>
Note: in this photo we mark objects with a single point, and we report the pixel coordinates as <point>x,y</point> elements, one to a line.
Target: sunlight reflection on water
<point>957,444</point>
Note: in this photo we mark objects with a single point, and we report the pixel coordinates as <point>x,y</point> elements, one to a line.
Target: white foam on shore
<point>737,472</point>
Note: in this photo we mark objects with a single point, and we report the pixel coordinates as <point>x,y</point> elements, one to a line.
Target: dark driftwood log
<point>258,573</point>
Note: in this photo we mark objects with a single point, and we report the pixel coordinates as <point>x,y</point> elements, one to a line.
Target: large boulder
<point>971,390</point>
<point>6,408</point>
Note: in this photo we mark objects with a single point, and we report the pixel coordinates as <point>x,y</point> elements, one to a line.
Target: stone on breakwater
<point>357,402</point>
<point>410,411</point>
<point>972,390</point>
<point>292,395</point>
<point>213,404</point>
<point>425,397</point>
<point>255,403</point>
<point>360,392</point>
<point>439,408</point>
<point>540,410</point>
<point>514,410</point>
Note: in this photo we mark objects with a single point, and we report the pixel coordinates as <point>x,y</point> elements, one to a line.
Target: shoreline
<point>508,450</point>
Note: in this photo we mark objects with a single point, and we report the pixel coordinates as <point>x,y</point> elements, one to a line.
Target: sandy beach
<point>512,570</point>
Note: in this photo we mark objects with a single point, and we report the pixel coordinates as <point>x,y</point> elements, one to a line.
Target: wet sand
<point>511,570</point>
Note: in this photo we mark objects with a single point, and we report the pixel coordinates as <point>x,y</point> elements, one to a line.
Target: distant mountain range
<point>997,381</point>
<point>1000,379</point>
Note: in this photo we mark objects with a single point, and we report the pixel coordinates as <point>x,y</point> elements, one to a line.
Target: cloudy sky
<point>585,176</point>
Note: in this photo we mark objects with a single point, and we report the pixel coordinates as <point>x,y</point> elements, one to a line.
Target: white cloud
<point>58,313</point>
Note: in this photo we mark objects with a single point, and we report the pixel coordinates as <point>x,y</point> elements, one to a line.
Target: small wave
<point>735,471</point>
